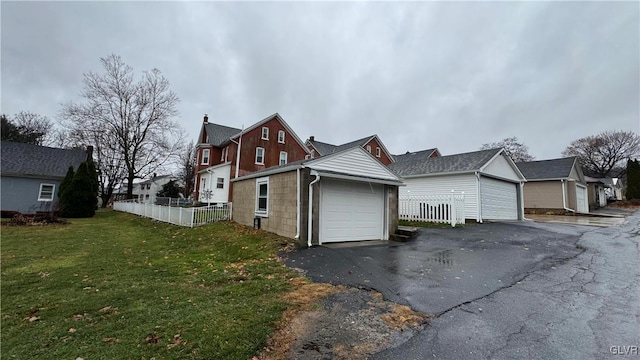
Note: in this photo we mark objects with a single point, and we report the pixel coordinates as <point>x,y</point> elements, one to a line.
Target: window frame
<point>262,212</point>
<point>261,162</point>
<point>369,148</point>
<point>53,192</point>
<point>378,153</point>
<point>265,135</point>
<point>281,132</point>
<point>219,184</point>
<point>286,158</point>
<point>205,157</point>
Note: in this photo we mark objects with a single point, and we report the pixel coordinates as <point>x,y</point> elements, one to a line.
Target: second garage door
<point>351,211</point>
<point>581,199</point>
<point>499,199</point>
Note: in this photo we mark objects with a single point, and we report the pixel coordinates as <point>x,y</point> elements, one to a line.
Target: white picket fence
<point>446,208</point>
<point>183,216</point>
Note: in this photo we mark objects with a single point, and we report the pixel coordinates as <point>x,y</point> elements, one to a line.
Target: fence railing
<point>167,201</point>
<point>446,208</point>
<point>183,216</point>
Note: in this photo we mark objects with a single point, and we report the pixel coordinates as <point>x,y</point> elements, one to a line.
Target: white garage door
<point>581,199</point>
<point>350,211</point>
<point>499,199</point>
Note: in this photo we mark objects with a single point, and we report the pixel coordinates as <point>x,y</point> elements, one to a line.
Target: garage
<point>351,211</point>
<point>499,199</point>
<point>581,199</point>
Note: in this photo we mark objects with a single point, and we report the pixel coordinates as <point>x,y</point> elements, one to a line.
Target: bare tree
<point>601,154</point>
<point>517,151</point>
<point>27,127</point>
<point>187,164</point>
<point>132,120</point>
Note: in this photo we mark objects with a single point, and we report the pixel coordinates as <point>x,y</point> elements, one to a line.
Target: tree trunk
<point>130,186</point>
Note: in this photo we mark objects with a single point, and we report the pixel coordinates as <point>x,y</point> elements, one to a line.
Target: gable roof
<point>554,169</point>
<point>326,149</point>
<point>420,164</point>
<point>422,154</point>
<point>28,160</point>
<point>284,124</point>
<point>219,134</point>
<point>337,164</point>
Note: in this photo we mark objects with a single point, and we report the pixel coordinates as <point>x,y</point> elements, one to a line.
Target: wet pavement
<point>503,290</point>
<point>603,221</point>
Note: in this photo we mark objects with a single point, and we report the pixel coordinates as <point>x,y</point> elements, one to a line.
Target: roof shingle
<point>547,169</point>
<point>219,134</point>
<point>420,163</point>
<point>20,159</point>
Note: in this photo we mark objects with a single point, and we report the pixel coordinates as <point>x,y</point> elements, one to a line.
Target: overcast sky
<point>452,75</point>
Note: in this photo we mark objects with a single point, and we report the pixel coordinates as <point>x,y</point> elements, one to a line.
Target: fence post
<point>230,211</point>
<point>180,216</point>
<point>452,210</point>
<point>193,212</point>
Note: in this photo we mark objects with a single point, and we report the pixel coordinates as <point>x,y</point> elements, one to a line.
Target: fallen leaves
<point>152,338</point>
<point>111,340</point>
<point>176,341</point>
<point>72,330</point>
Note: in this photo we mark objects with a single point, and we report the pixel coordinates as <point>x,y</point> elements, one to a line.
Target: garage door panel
<point>499,199</point>
<point>350,211</point>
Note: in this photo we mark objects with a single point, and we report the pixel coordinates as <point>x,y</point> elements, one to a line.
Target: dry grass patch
<point>402,317</point>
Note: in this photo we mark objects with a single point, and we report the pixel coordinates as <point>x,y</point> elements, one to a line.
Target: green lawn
<point>121,287</point>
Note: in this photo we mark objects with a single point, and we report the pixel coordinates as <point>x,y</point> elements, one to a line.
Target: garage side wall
<point>543,195</point>
<point>392,201</point>
<point>281,218</point>
<point>442,185</point>
<point>571,195</point>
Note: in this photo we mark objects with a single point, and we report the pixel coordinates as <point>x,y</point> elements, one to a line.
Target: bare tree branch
<point>603,154</point>
<point>517,151</point>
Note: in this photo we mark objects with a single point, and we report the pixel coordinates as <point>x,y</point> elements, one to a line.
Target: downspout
<point>564,196</point>
<point>239,142</point>
<point>310,222</point>
<point>478,198</point>
<point>297,205</point>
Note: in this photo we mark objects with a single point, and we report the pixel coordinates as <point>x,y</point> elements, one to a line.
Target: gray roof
<point>419,163</point>
<point>423,154</point>
<point>326,148</point>
<point>20,159</point>
<point>547,169</point>
<point>219,134</point>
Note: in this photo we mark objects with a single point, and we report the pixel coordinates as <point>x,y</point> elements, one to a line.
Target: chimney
<point>89,153</point>
<point>155,175</point>
<point>312,138</point>
<point>206,118</point>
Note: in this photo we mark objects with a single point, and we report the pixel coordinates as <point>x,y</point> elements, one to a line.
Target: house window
<point>205,157</point>
<point>281,136</point>
<point>377,152</point>
<point>148,186</point>
<point>220,183</point>
<point>262,196</point>
<point>46,192</point>
<point>226,154</point>
<point>260,156</point>
<point>146,197</point>
<point>283,157</point>
<point>369,149</point>
<point>265,133</point>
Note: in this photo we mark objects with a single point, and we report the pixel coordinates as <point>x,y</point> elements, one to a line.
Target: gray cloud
<point>447,75</point>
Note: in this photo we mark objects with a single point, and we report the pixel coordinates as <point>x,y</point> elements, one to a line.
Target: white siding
<point>500,167</point>
<point>209,182</point>
<point>438,185</point>
<point>354,162</point>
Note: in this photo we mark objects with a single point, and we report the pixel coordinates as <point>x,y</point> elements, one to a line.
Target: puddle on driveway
<point>441,257</point>
<point>577,220</point>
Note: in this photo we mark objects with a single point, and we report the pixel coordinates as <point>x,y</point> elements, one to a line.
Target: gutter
<point>239,143</point>
<point>478,197</point>
<point>564,196</point>
<point>310,222</point>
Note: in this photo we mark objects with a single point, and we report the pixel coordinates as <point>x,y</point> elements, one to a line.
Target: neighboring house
<point>267,143</point>
<point>491,182</point>
<point>344,196</point>
<point>422,154</point>
<point>615,188</point>
<point>31,175</point>
<point>146,190</point>
<point>372,144</point>
<point>596,192</point>
<point>556,184</point>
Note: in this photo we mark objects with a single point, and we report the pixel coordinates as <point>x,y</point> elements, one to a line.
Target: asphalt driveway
<point>442,268</point>
<point>503,290</point>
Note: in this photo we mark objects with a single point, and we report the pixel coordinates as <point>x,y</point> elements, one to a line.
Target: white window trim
<point>286,156</point>
<point>208,152</point>
<point>218,183</point>
<point>260,181</point>
<point>265,135</point>
<point>377,151</point>
<point>369,149</point>
<point>53,192</point>
<point>262,162</point>
<point>281,132</point>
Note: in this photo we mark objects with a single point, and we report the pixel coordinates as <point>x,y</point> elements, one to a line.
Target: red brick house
<point>371,144</point>
<point>225,153</point>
